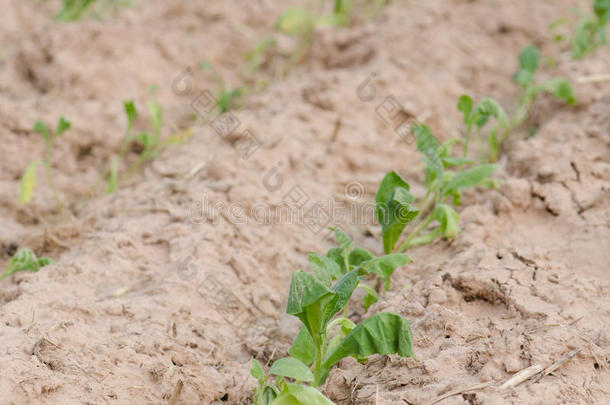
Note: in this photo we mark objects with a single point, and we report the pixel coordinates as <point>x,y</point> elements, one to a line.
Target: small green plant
<point>74,10</point>
<point>25,260</point>
<point>560,88</point>
<point>227,98</point>
<point>324,339</point>
<point>29,179</point>
<point>476,117</point>
<point>446,177</point>
<point>591,30</point>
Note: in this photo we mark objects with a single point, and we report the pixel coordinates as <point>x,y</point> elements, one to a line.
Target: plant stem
<point>405,245</point>
<point>47,164</point>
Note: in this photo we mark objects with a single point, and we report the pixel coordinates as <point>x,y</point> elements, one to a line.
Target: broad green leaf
<point>465,105</point>
<point>384,266</point>
<point>62,126</point>
<point>371,296</point>
<point>489,107</point>
<point>28,183</point>
<point>359,255</point>
<point>257,370</point>
<point>113,177</point>
<point>344,241</point>
<point>383,333</point>
<point>43,129</point>
<point>337,256</point>
<point>470,178</point>
<point>296,394</point>
<point>343,289</point>
<point>292,368</point>
<point>25,260</point>
<point>394,208</point>
<point>524,77</point>
<point>429,146</point>
<point>303,347</point>
<point>448,218</point>
<point>529,58</point>
<point>560,88</point>
<point>390,182</point>
<point>324,268</point>
<point>132,113</point>
<point>305,290</point>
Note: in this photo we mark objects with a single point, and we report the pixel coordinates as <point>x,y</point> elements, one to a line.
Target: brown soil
<point>180,276</point>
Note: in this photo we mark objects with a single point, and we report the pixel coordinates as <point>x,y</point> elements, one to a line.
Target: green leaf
<point>296,394</point>
<point>465,105</point>
<point>257,370</point>
<point>489,107</point>
<point>343,289</point>
<point>303,347</point>
<point>145,139</point>
<point>524,77</point>
<point>394,208</point>
<point>28,183</point>
<point>62,126</point>
<point>324,268</point>
<point>448,218</point>
<point>470,178</point>
<point>359,255</point>
<point>371,296</point>
<point>383,333</point>
<point>384,266</point>
<point>305,290</point>
<point>43,129</point>
<point>113,178</point>
<point>132,113</point>
<point>429,146</point>
<point>292,368</point>
<point>562,89</point>
<point>344,241</point>
<point>25,260</point>
<point>529,58</point>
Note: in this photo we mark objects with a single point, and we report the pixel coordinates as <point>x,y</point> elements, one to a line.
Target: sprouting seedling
<point>73,10</point>
<point>29,179</point>
<point>227,98</point>
<point>476,117</point>
<point>316,298</point>
<point>591,31</point>
<point>396,206</point>
<point>280,391</point>
<point>25,260</point>
<point>529,60</point>
<point>256,57</point>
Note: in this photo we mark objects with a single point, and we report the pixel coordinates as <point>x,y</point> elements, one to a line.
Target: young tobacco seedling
<point>476,117</point>
<point>29,179</point>
<point>227,98</point>
<point>25,260</point>
<point>395,205</point>
<point>560,88</point>
<point>591,31</point>
<point>316,298</point>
